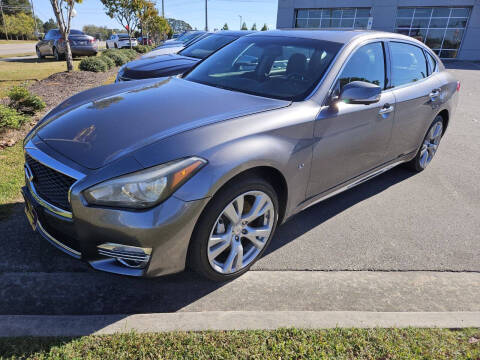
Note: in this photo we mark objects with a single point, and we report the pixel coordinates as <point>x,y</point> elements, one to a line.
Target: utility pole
<point>3,19</point>
<point>206,16</point>
<point>163,9</point>
<point>34,19</point>
<point>240,16</point>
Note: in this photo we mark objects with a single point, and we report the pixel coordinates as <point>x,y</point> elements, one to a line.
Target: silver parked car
<point>143,178</point>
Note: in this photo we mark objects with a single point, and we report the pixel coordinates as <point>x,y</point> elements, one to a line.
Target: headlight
<point>144,188</point>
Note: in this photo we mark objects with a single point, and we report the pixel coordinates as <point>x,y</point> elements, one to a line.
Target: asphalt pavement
<point>400,242</point>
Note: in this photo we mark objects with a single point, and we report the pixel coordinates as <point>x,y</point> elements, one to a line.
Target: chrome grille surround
<point>39,156</point>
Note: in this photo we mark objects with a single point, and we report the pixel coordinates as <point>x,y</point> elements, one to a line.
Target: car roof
<point>340,36</point>
<point>234,32</point>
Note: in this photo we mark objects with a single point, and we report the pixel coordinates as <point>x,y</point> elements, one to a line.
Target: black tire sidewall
<point>197,256</point>
<point>415,163</point>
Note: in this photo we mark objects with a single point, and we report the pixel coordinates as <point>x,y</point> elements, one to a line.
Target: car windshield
<point>189,36</point>
<point>285,68</point>
<point>204,47</point>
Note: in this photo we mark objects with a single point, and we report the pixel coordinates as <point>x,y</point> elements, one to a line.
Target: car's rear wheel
<point>429,146</point>
<point>39,54</point>
<point>234,229</point>
<point>115,45</point>
<point>106,45</point>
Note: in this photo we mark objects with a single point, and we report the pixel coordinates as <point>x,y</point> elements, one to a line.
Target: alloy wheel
<point>240,232</point>
<point>430,144</point>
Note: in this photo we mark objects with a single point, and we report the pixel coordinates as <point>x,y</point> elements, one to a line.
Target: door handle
<point>434,93</point>
<point>387,108</point>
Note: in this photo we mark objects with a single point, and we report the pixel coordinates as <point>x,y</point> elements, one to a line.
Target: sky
<point>191,11</point>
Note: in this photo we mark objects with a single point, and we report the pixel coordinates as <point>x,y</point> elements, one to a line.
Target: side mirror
<point>360,92</point>
<point>40,37</point>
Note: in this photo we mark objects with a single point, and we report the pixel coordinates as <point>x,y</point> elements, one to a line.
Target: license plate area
<point>31,214</point>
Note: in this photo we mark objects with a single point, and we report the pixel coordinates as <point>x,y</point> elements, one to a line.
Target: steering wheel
<point>295,76</point>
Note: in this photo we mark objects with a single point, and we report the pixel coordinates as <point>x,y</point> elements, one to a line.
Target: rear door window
<point>432,64</point>
<point>408,63</point>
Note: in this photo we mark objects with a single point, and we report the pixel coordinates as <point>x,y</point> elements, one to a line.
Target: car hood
<point>163,65</point>
<point>101,125</point>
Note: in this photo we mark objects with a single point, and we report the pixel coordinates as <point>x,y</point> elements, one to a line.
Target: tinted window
<point>76,32</point>
<point>408,63</point>
<point>432,64</point>
<point>204,47</point>
<point>123,36</point>
<point>366,64</point>
<point>252,65</point>
<point>49,35</point>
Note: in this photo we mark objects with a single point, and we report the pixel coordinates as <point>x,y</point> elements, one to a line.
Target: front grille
<point>50,185</point>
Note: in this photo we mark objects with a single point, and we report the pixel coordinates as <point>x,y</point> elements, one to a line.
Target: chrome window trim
<point>55,165</point>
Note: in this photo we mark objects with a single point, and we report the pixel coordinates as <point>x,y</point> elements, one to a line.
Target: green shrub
<point>23,101</point>
<point>107,52</point>
<point>129,53</point>
<point>110,63</point>
<point>117,57</point>
<point>94,64</point>
<point>142,49</point>
<point>10,118</point>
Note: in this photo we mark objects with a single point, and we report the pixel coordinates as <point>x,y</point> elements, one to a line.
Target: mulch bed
<point>53,90</point>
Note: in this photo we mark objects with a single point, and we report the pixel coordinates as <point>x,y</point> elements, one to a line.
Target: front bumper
<point>165,230</point>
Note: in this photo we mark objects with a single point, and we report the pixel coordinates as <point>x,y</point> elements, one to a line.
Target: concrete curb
<point>45,325</point>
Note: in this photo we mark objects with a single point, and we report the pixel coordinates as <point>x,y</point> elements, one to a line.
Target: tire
<point>106,45</point>
<point>115,45</point>
<point>39,54</point>
<point>56,54</point>
<point>254,190</point>
<point>429,146</point>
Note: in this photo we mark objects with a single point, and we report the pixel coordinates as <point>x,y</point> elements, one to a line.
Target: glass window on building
<point>340,18</point>
<point>441,28</point>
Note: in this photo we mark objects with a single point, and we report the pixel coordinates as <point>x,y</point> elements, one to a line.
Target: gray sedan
<point>147,177</point>
<point>53,44</point>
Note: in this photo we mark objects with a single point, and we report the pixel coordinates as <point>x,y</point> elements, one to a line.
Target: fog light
<point>129,256</point>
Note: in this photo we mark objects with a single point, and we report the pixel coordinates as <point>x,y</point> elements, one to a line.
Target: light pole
<point>206,16</point>
<point>240,16</point>
<point>163,9</point>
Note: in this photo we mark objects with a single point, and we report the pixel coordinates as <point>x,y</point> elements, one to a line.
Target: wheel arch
<point>446,118</point>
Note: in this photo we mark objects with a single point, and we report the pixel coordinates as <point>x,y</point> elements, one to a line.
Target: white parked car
<point>119,41</point>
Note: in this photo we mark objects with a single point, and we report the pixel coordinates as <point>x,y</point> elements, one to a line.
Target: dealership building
<point>450,27</point>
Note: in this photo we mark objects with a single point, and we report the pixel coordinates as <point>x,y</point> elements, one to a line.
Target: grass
<point>24,70</point>
<point>11,178</point>
<point>410,343</point>
<point>25,54</point>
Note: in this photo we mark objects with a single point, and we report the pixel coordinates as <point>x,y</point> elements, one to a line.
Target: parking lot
<point>400,242</point>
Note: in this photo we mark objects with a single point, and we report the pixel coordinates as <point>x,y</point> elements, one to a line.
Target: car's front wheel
<point>106,45</point>
<point>234,229</point>
<point>39,54</point>
<point>429,146</point>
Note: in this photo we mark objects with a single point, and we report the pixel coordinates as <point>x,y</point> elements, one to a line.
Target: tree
<point>145,14</point>
<point>125,12</point>
<point>179,26</point>
<point>49,25</point>
<point>20,25</point>
<point>254,27</point>
<point>244,27</point>
<point>158,28</point>
<point>225,27</point>
<point>63,10</point>
<point>264,27</point>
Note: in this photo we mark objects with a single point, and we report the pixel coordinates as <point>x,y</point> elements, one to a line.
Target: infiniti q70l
<point>146,177</point>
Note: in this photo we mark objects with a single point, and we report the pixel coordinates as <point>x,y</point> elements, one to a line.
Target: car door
<point>417,96</point>
<point>351,139</point>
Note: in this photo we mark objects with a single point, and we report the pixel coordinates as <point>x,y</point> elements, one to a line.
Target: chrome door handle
<point>387,108</point>
<point>434,93</point>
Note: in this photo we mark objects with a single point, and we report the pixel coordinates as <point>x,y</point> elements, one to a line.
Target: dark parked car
<point>54,44</point>
<point>144,177</point>
<point>145,40</point>
<point>174,64</point>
